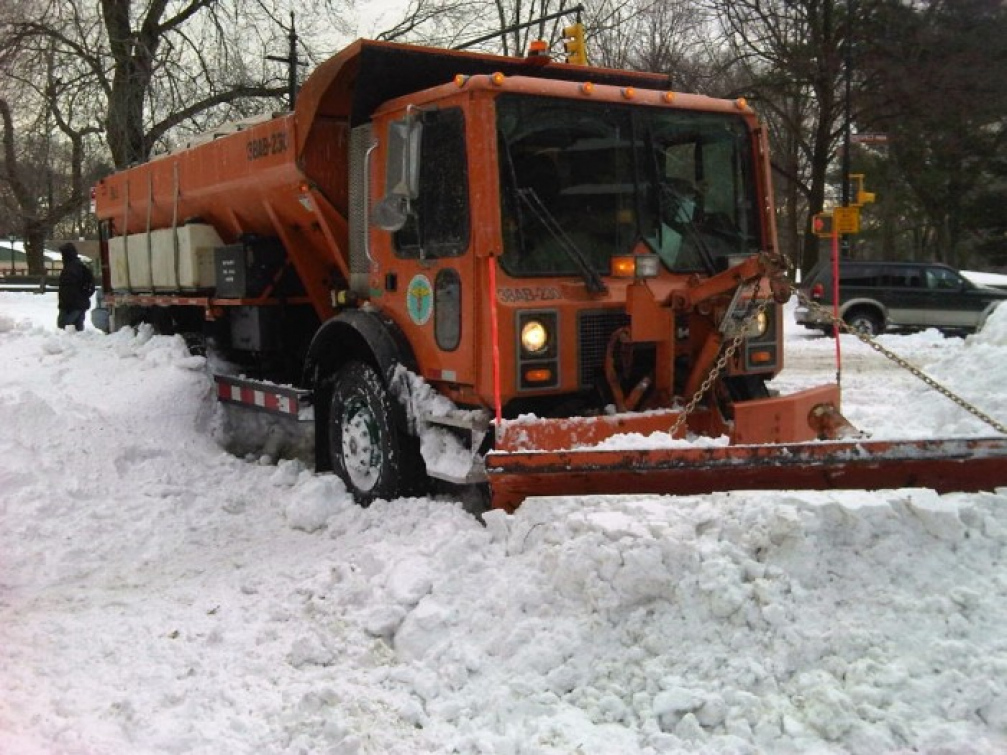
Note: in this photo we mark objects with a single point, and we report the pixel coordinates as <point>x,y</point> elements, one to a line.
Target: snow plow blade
<point>948,465</point>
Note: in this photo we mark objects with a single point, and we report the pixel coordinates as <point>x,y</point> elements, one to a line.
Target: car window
<point>860,276</point>
<point>902,277</point>
<point>942,279</point>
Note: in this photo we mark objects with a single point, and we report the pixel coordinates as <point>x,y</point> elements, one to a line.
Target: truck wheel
<point>864,321</point>
<point>370,448</point>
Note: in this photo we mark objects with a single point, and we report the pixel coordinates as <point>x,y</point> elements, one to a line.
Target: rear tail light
<point>817,291</point>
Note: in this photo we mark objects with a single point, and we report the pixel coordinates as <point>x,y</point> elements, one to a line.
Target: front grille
<point>594,329</point>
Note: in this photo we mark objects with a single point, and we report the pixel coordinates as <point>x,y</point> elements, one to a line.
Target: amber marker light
<point>587,87</point>
<point>538,375</point>
<point>498,78</point>
<point>304,187</point>
<point>761,357</point>
<point>668,97</point>
<point>461,80</point>
<point>629,93</point>
<point>623,267</point>
<point>741,103</point>
<point>537,47</point>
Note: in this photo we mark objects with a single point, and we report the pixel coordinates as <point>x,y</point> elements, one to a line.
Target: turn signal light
<point>623,267</point>
<point>538,375</point>
<point>761,357</point>
<point>635,266</point>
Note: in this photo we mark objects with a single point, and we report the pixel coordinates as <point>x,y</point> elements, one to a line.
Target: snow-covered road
<point>158,595</point>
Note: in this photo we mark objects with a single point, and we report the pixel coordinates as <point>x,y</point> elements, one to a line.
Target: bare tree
<point>451,23</point>
<point>47,143</point>
<point>157,65</point>
<point>791,55</point>
<point>661,36</point>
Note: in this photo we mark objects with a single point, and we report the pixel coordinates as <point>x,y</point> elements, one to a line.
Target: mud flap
<point>946,465</point>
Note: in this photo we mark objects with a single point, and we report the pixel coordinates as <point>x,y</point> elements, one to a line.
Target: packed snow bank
<point>971,374</point>
<point>158,595</point>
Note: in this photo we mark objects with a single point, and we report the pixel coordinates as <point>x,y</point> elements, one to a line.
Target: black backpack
<point>87,282</point>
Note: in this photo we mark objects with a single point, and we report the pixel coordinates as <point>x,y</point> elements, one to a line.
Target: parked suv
<point>879,296</point>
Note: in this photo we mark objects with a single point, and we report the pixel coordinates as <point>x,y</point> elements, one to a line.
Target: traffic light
<point>821,224</point>
<point>859,197</point>
<point>573,43</point>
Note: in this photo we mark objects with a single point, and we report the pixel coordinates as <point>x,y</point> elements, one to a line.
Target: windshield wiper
<point>690,227</point>
<point>592,280</point>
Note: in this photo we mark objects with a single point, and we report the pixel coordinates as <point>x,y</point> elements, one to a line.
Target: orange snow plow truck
<point>483,269</point>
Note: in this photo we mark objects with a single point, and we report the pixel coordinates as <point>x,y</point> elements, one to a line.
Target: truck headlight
<point>534,337</point>
<point>758,326</point>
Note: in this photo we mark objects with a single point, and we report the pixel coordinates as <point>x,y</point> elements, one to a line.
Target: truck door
<point>906,296</point>
<point>425,266</point>
<point>950,306</point>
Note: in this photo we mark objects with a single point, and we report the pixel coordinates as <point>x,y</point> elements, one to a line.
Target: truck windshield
<point>583,181</point>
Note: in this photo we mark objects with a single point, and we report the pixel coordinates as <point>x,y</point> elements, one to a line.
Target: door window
<point>437,223</point>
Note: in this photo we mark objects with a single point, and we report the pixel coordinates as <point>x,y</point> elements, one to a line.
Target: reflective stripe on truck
<point>268,397</point>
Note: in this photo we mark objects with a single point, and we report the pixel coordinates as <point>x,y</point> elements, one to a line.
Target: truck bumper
<point>811,319</point>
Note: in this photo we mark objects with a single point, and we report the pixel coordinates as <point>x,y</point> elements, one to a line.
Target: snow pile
<point>968,374</point>
<point>442,451</point>
<point>158,595</point>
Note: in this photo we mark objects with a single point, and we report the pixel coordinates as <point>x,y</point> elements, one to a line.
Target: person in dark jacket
<point>74,284</point>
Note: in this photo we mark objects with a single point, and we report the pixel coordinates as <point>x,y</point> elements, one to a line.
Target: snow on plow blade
<point>947,465</point>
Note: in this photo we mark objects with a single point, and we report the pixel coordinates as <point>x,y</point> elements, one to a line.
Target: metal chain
<point>903,363</point>
<point>720,364</point>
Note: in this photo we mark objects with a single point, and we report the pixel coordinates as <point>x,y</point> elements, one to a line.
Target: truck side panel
<point>247,182</point>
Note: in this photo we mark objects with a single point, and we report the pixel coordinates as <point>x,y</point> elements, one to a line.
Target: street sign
<point>846,219</point>
<point>869,138</point>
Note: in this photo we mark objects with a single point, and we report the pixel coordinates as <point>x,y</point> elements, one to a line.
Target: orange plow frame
<point>967,464</point>
<point>773,446</point>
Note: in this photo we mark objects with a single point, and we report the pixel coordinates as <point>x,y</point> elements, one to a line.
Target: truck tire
<point>370,447</point>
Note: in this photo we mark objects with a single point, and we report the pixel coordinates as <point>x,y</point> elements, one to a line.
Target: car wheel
<point>370,448</point>
<point>865,322</point>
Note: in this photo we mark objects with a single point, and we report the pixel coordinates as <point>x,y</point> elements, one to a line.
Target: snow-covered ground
<point>158,595</point>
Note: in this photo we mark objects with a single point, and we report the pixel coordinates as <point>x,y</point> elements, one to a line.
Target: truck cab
<point>569,195</point>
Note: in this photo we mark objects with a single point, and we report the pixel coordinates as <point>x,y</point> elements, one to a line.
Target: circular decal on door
<point>420,299</point>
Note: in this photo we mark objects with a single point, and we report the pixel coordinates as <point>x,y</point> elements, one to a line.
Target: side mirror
<point>390,213</point>
<point>403,174</point>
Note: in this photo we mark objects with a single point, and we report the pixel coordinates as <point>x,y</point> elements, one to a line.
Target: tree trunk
<point>34,246</point>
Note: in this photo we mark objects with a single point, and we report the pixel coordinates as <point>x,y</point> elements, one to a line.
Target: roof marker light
<point>498,78</point>
<point>587,87</point>
<point>741,103</point>
<point>668,97</point>
<point>537,47</point>
<point>629,93</point>
<point>461,80</point>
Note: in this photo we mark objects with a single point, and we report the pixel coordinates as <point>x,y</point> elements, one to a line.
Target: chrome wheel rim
<point>361,444</point>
